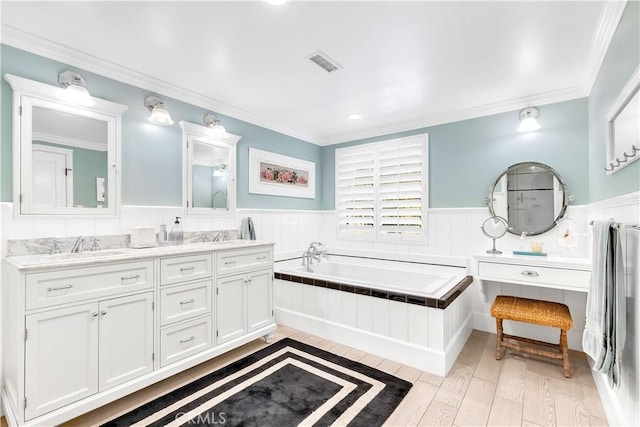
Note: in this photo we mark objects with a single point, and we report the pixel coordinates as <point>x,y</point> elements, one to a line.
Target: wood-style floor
<point>479,390</point>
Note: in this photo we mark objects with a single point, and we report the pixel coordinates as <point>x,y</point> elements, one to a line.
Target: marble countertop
<point>36,262</point>
<point>543,261</point>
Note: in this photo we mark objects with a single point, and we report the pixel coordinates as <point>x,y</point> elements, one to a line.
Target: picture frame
<point>622,128</point>
<point>280,175</point>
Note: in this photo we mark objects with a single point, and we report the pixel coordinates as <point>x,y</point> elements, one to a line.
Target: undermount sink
<point>89,254</point>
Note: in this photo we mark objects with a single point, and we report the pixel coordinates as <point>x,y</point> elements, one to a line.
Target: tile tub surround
<point>44,245</point>
<point>408,332</point>
<point>440,303</point>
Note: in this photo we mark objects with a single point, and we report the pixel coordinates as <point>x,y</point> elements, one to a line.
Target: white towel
<point>247,230</point>
<point>605,331</point>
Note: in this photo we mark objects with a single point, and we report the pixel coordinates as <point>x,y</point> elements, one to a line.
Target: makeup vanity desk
<point>571,274</point>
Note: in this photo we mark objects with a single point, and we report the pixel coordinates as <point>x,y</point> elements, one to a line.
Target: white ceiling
<point>404,64</point>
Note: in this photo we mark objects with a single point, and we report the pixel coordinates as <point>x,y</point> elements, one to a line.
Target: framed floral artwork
<point>279,175</point>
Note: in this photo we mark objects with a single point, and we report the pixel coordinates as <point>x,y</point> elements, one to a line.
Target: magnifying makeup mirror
<point>494,228</point>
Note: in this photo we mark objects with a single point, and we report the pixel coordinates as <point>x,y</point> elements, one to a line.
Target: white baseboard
<point>434,361</point>
<point>610,402</point>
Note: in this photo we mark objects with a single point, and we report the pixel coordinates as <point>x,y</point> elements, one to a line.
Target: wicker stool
<point>543,313</point>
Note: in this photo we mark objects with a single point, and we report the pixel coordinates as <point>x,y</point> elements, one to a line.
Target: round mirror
<point>494,228</point>
<point>531,196</point>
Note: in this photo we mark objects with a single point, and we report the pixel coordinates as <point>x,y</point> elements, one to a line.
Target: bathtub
<point>414,313</point>
<point>428,284</point>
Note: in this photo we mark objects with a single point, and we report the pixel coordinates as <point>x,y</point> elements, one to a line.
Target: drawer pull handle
<point>189,301</point>
<point>136,277</point>
<point>229,262</point>
<point>182,270</point>
<point>186,340</point>
<point>530,273</point>
<point>61,288</point>
<point>261,258</point>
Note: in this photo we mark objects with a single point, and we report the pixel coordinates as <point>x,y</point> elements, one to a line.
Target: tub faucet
<point>78,246</point>
<point>317,251</point>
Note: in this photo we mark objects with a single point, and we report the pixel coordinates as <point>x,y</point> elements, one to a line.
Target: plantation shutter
<point>381,189</point>
<point>400,191</point>
<point>355,191</point>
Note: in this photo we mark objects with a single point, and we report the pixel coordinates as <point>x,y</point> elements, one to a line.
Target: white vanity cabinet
<point>85,330</point>
<point>244,293</point>
<point>81,333</point>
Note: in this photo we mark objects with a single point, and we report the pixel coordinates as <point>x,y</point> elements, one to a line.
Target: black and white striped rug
<point>285,384</point>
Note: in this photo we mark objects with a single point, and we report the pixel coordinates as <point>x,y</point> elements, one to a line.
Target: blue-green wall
<point>620,62</point>
<point>152,155</point>
<point>466,156</point>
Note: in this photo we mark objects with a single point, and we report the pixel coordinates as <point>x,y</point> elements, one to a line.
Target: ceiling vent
<point>323,61</point>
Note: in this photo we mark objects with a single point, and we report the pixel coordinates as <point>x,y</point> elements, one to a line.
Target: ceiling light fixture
<point>219,170</point>
<point>76,89</point>
<point>529,120</point>
<point>159,114</point>
<point>354,116</point>
<point>276,2</point>
<point>213,123</point>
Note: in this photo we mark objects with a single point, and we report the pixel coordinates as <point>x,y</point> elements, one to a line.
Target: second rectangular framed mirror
<point>209,171</point>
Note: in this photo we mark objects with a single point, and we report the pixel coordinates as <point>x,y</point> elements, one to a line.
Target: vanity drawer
<point>64,286</point>
<point>184,302</point>
<point>235,261</point>
<point>185,339</point>
<point>183,268</point>
<point>535,275</point>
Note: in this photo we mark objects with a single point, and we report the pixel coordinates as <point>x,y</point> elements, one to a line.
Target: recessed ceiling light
<point>354,116</point>
<point>276,2</point>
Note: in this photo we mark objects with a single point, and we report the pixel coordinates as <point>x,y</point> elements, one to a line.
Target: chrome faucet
<point>315,251</point>
<point>221,236</point>
<point>78,246</point>
<point>55,247</point>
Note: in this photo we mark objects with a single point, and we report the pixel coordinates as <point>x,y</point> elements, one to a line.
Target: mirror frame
<point>27,94</point>
<point>192,133</point>
<point>565,196</point>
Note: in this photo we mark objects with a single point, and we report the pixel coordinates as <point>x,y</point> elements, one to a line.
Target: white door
<point>61,361</point>
<point>230,308</point>
<point>52,177</point>
<point>126,339</point>
<point>259,294</point>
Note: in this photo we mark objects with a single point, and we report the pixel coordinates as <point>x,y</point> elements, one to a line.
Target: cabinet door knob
<point>103,312</point>
<point>530,273</point>
<point>95,314</point>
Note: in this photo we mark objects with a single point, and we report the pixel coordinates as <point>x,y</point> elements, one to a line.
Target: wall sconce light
<point>529,120</point>
<point>213,123</point>
<point>219,170</point>
<point>159,114</point>
<point>76,89</point>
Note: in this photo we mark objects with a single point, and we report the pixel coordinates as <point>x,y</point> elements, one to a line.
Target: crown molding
<point>550,97</point>
<point>607,25</point>
<point>19,39</point>
<point>72,142</point>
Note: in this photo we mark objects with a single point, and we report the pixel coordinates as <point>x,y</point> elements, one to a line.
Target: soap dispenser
<point>176,235</point>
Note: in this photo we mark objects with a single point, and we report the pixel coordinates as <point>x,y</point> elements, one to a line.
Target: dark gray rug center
<point>282,396</point>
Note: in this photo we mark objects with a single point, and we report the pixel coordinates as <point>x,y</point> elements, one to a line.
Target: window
<point>381,189</point>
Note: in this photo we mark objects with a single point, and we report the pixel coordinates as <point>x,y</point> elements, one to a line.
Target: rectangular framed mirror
<point>209,171</point>
<point>623,127</point>
<point>66,156</point>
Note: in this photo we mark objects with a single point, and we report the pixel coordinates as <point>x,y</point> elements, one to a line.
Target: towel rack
<point>611,166</point>
<point>619,224</point>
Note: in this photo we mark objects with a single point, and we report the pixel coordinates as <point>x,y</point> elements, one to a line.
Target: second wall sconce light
<point>213,123</point>
<point>529,120</point>
<point>76,89</point>
<point>159,114</point>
